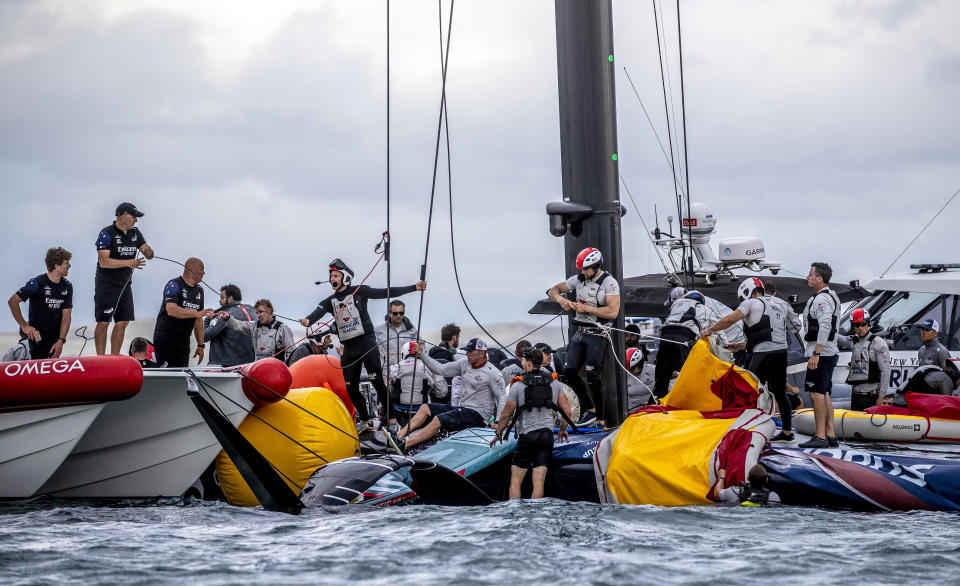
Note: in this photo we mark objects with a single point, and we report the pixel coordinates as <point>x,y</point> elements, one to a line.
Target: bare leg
<point>416,422</point>
<point>820,414</point>
<point>116,338</point>
<point>424,434</point>
<point>828,416</point>
<point>100,337</point>
<point>539,479</point>
<point>516,479</point>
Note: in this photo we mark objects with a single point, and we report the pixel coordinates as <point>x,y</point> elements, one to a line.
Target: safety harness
<point>538,394</point>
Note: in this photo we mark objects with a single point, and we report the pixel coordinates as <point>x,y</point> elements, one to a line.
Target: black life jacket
<point>538,394</point>
<point>813,326</point>
<point>753,497</point>
<point>873,367</point>
<point>762,331</point>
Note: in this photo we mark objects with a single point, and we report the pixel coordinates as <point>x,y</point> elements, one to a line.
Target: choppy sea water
<point>174,541</point>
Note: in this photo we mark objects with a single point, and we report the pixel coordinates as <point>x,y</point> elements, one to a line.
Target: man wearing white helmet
<point>638,389</point>
<point>679,332</point>
<point>348,305</point>
<point>869,369</point>
<point>765,324</point>
<point>411,381</point>
<point>597,304</point>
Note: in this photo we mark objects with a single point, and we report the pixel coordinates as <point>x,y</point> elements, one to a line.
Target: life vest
<point>864,367</point>
<point>683,313</point>
<point>753,497</point>
<point>917,382</point>
<point>762,331</point>
<point>813,326</point>
<point>538,394</point>
<point>588,293</point>
<point>349,322</point>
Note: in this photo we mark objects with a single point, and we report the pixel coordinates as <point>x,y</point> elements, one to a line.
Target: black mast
<point>589,214</point>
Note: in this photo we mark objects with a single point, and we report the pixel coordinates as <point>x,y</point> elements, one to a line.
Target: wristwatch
<point>201,345</point>
<point>815,353</point>
<point>64,340</point>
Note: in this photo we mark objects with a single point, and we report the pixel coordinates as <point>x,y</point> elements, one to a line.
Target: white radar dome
<point>701,220</point>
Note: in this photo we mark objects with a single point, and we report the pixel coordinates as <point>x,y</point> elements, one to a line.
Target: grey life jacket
<point>588,292</point>
<point>349,322</point>
<point>686,313</point>
<point>863,362</point>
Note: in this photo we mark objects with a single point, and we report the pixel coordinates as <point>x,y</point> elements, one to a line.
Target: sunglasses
<point>396,313</point>
<point>861,325</point>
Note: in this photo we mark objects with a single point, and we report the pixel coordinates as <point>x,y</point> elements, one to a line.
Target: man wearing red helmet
<point>869,370</point>
<point>597,304</point>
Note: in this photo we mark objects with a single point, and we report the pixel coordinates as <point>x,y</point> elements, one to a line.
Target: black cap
<point>633,329</point>
<point>534,355</point>
<point>543,347</point>
<point>128,208</point>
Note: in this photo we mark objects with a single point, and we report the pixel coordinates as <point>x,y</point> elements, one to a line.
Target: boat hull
<point>154,444</point>
<point>867,427</point>
<point>35,442</point>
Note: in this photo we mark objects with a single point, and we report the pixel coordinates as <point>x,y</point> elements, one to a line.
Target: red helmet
<point>860,316</point>
<point>634,357</point>
<point>589,258</point>
<point>411,348</point>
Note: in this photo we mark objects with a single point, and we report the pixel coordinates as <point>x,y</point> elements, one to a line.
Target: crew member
<point>395,332</point>
<point>475,404</point>
<point>314,344</point>
<point>597,304</point>
<point>538,395</point>
<point>932,351</point>
<point>821,316</point>
<point>348,305</point>
<point>638,389</point>
<point>270,337</point>
<point>411,381</point>
<point>118,246</point>
<point>679,332</point>
<point>550,360</point>
<point>765,326</point>
<point>51,306</point>
<point>228,347</point>
<point>752,493</point>
<point>512,367</point>
<point>929,379</point>
<point>142,350</point>
<point>869,369</point>
<point>631,336</point>
<point>446,351</point>
<point>180,313</point>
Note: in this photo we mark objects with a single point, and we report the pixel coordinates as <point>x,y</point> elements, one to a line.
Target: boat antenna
<point>386,243</point>
<point>902,252</point>
<point>686,163</point>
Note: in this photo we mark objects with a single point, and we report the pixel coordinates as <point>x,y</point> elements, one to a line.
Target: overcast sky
<point>253,135</point>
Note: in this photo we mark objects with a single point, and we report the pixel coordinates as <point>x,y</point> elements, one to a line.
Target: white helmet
<point>589,258</point>
<point>748,286</point>
<point>634,357</point>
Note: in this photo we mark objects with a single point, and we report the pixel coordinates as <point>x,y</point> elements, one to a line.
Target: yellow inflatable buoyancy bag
<point>294,461</point>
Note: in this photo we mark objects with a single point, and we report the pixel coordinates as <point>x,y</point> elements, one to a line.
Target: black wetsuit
<point>355,331</point>
<point>171,335</point>
<point>47,302</point>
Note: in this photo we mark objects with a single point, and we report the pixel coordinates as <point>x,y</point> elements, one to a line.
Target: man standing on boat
<point>348,305</point>
<point>821,316</point>
<point>597,305</point>
<point>180,313</point>
<point>869,362</point>
<point>932,351</point>
<point>229,347</point>
<point>118,247</point>
<point>51,305</point>
<point>765,325</point>
<point>394,333</point>
<point>679,332</point>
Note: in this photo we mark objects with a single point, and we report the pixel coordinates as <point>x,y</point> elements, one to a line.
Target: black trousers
<point>672,353</point>
<point>771,369</point>
<point>359,354</point>
<point>863,401</point>
<point>590,350</point>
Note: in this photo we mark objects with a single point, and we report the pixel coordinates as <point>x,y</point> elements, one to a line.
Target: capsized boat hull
<point>35,442</point>
<point>154,444</point>
<point>859,426</point>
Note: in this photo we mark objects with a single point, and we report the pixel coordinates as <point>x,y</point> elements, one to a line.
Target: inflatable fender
<point>265,381</point>
<point>325,441</point>
<point>601,459</point>
<point>69,381</point>
<point>322,370</point>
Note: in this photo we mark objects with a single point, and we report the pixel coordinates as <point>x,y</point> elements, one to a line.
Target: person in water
<point>536,394</point>
<point>348,305</point>
<point>51,304</point>
<point>752,493</point>
<point>475,404</point>
<point>597,305</point>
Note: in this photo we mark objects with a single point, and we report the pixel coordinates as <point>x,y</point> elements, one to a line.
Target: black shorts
<point>455,418</point>
<point>112,301</point>
<point>534,449</point>
<point>821,380</point>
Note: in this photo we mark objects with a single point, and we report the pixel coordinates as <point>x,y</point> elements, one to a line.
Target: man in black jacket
<point>229,347</point>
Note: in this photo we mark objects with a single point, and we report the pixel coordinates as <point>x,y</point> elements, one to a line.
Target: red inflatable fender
<point>321,370</point>
<point>52,382</point>
<point>265,381</point>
